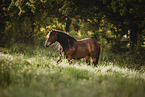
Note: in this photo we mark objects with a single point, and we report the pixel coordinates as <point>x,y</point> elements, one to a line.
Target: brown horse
<point>75,49</point>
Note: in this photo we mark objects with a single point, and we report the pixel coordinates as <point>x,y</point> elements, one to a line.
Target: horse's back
<point>89,43</point>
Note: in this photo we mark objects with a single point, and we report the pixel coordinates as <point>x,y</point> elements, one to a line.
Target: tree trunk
<point>133,39</point>
<point>68,22</point>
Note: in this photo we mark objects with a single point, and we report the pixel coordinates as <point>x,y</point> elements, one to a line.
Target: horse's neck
<point>65,41</point>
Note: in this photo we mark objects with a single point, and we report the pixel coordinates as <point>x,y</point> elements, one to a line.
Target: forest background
<point>117,24</point>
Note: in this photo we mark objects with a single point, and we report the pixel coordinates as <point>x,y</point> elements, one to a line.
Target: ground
<point>35,73</point>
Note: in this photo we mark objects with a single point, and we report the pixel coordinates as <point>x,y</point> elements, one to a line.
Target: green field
<point>33,72</point>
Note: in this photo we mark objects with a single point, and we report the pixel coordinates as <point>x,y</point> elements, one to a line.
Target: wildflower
<point>75,66</point>
<point>43,72</point>
<point>82,83</point>
<point>51,71</point>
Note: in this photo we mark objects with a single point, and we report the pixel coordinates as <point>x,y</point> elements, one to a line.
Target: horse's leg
<point>59,59</point>
<point>70,61</point>
<point>95,59</point>
<point>87,58</point>
<point>60,56</point>
<point>95,62</point>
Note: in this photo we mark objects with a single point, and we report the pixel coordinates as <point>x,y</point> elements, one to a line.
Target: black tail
<point>98,56</point>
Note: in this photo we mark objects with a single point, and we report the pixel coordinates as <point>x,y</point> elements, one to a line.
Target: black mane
<point>64,33</point>
<point>65,39</point>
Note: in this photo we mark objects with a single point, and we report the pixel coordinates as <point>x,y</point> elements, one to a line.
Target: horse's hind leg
<point>87,58</point>
<point>96,58</point>
<point>95,61</point>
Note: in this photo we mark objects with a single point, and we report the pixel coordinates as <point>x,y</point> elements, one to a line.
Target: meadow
<point>31,71</point>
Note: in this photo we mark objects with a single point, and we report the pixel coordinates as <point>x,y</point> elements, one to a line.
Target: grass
<point>27,71</point>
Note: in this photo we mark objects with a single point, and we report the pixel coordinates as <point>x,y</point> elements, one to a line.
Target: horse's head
<point>51,38</point>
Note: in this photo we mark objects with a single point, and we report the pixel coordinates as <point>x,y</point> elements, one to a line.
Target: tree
<point>27,17</point>
<point>127,15</point>
<point>4,17</point>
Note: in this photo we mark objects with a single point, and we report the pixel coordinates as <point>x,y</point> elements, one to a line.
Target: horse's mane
<point>66,39</point>
<point>62,32</point>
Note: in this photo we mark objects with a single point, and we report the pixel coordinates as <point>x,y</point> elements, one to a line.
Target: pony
<point>74,49</point>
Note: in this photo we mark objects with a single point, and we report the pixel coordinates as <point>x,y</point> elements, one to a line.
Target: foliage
<point>127,18</point>
<point>32,71</point>
<point>119,23</point>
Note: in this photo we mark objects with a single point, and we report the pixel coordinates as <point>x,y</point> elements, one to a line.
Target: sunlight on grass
<point>38,74</point>
<point>105,69</point>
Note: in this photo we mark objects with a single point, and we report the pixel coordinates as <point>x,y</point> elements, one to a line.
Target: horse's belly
<point>81,53</point>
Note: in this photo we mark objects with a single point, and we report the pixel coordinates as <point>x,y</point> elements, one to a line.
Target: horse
<point>74,49</point>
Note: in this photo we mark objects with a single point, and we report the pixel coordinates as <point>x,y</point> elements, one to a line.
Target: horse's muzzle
<point>46,45</point>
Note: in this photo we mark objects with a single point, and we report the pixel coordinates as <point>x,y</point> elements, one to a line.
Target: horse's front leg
<point>87,58</point>
<point>60,56</point>
<point>70,61</point>
<point>70,54</point>
<point>59,60</point>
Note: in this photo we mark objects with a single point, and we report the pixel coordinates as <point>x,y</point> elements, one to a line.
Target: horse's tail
<point>98,56</point>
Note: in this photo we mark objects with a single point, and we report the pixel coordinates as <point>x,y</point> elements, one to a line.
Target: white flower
<point>51,71</point>
<point>75,66</point>
<point>82,83</point>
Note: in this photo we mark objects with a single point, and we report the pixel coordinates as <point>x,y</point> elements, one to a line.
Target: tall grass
<point>33,72</point>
